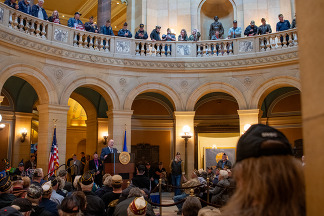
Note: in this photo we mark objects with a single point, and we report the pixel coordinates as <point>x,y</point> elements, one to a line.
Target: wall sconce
<point>23,135</point>
<point>105,136</point>
<point>186,135</point>
<point>245,128</point>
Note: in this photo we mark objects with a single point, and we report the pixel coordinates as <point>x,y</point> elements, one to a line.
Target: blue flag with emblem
<point>125,143</point>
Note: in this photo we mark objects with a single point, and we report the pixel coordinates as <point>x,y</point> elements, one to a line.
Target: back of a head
<point>70,206</point>
<point>135,192</point>
<point>209,211</point>
<point>141,169</point>
<point>34,193</point>
<point>267,175</point>
<point>191,206</point>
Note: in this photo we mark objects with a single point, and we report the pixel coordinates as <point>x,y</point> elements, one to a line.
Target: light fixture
<point>186,135</point>
<point>63,15</point>
<point>1,125</point>
<point>23,135</point>
<point>105,136</point>
<point>246,127</point>
<point>214,146</point>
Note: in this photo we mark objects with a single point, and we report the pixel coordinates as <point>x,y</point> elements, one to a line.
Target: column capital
<point>121,113</point>
<point>248,112</point>
<point>43,108</point>
<point>184,113</point>
<point>24,115</point>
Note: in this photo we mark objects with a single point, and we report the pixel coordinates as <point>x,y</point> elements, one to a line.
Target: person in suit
<point>75,170</point>
<point>96,167</point>
<point>108,150</point>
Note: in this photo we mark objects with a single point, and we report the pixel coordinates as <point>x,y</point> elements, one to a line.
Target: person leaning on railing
<point>264,28</point>
<point>55,18</point>
<point>38,10</point>
<point>24,6</point>
<point>141,33</point>
<point>195,35</point>
<point>107,29</point>
<point>234,32</point>
<point>75,22</point>
<point>124,32</point>
<point>183,35</point>
<point>251,30</point>
<point>12,4</point>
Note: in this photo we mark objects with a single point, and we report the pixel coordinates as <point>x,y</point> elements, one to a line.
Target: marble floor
<point>166,211</point>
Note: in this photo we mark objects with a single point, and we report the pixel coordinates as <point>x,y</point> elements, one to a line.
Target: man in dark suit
<point>75,170</point>
<point>96,167</point>
<point>108,150</point>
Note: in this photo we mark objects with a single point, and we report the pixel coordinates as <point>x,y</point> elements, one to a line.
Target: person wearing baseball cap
<point>75,21</point>
<point>6,197</point>
<point>141,33</point>
<point>124,32</point>
<point>111,198</point>
<point>270,181</point>
<point>234,32</point>
<point>251,30</point>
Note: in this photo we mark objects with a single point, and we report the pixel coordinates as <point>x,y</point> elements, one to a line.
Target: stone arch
<point>264,89</point>
<point>215,87</point>
<point>87,105</point>
<point>103,88</point>
<point>43,86</point>
<point>155,87</point>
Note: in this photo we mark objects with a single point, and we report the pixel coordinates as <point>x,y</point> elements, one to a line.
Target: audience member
<point>31,164</point>
<point>160,173</point>
<point>18,187</point>
<point>24,6</point>
<point>155,34</point>
<point>107,30</point>
<point>192,182</point>
<point>121,208</point>
<point>75,22</point>
<point>141,33</point>
<point>20,171</point>
<point>191,206</point>
<point>46,201</point>
<point>18,207</point>
<point>34,195</point>
<point>12,3</point>
<point>107,180</point>
<point>218,193</point>
<point>38,177</point>
<point>282,25</point>
<point>169,36</point>
<point>215,36</point>
<point>95,205</point>
<point>234,32</point>
<point>111,198</point>
<point>26,182</point>
<point>6,196</point>
<point>149,172</point>
<point>251,30</point>
<point>209,211</point>
<point>76,169</point>
<point>224,163</point>
<point>137,207</point>
<point>76,183</point>
<point>215,181</point>
<point>82,198</point>
<point>55,18</point>
<point>60,187</point>
<point>70,206</point>
<point>210,174</point>
<point>140,180</point>
<point>195,35</point>
<point>177,170</point>
<point>38,10</point>
<point>270,181</point>
<point>264,28</point>
<point>67,185</point>
<point>183,35</point>
<point>124,32</point>
<point>55,197</point>
<point>96,167</point>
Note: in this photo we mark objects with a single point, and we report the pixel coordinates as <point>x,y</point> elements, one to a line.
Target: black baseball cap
<point>141,25</point>
<point>253,143</point>
<point>235,21</point>
<point>77,13</point>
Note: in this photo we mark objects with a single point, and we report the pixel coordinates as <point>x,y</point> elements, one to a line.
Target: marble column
<point>47,113</point>
<point>183,118</point>
<point>104,11</point>
<point>310,52</point>
<point>92,138</point>
<point>21,150</point>
<point>102,130</point>
<point>117,120</point>
<point>250,116</point>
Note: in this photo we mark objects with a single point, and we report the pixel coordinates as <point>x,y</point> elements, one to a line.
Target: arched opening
<point>152,128</point>
<point>216,128</point>
<point>281,108</point>
<point>223,9</point>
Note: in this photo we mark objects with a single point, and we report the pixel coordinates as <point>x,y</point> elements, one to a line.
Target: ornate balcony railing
<point>132,48</point>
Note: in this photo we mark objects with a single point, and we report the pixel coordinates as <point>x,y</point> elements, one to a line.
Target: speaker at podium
<point>122,164</point>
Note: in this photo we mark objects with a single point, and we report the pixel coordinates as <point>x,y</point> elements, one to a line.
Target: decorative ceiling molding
<point>88,6</point>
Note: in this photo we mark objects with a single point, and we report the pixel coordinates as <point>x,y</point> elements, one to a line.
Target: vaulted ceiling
<point>87,8</point>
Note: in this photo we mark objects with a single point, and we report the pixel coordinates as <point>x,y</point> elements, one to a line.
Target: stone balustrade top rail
<point>32,33</point>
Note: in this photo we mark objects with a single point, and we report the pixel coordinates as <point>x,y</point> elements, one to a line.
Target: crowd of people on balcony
<point>216,31</point>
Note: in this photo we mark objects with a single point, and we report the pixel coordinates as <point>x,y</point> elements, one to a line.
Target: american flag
<point>53,157</point>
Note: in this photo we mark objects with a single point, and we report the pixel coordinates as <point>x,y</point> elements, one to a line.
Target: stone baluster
<point>226,48</point>
<point>10,20</point>
<point>43,30</point>
<point>95,44</point>
<point>208,49</point>
<point>137,48</point>
<point>169,49</point>
<point>91,42</point>
<point>273,42</point>
<point>290,39</point>
<point>37,29</point>
<point>153,49</point>
<point>75,39</point>
<point>21,24</point>
<point>204,50</point>
<point>80,40</point>
<point>262,44</point>
<point>143,48</point>
<point>230,48</point>
<point>158,50</point>
<point>284,41</point>
<point>279,44</point>
<point>26,27</point>
<point>295,39</point>
<point>101,44</point>
<point>15,22</point>
<point>85,41</point>
<point>148,51</point>
<point>107,45</point>
<point>268,43</point>
<point>163,52</point>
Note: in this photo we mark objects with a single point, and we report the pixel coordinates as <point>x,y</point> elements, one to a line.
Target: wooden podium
<point>114,167</point>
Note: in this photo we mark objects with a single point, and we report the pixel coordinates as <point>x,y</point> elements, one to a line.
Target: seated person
<point>140,180</point>
<point>218,193</point>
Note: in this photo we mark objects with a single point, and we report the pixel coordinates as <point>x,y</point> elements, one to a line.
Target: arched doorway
<point>224,9</point>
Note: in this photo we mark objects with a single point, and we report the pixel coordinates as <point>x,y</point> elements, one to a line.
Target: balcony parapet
<point>31,33</point>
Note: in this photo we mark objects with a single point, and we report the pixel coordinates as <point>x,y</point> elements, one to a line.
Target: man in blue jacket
<point>107,29</point>
<point>38,10</point>
<point>251,30</point>
<point>124,32</point>
<point>75,21</point>
<point>108,150</point>
<point>11,3</point>
<point>25,7</point>
<point>282,25</point>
